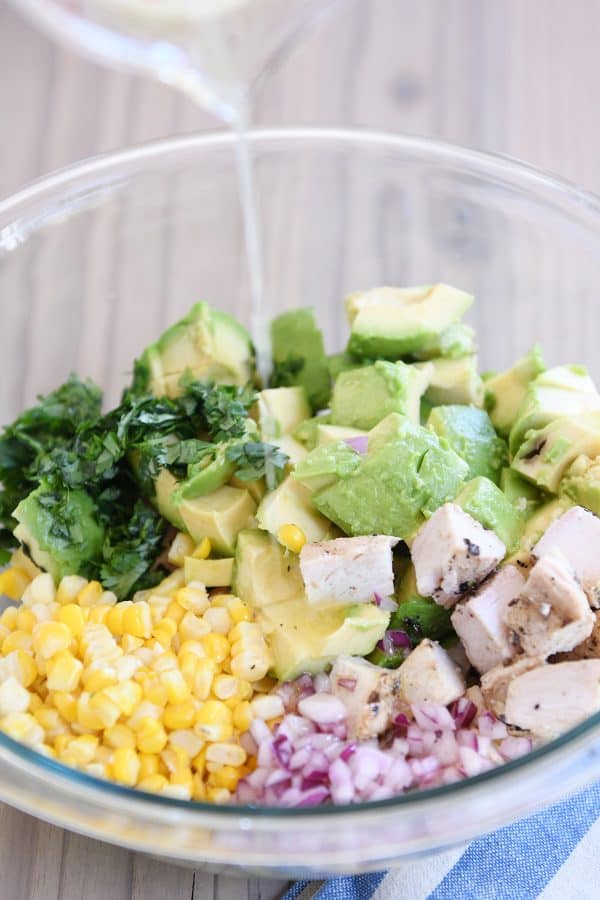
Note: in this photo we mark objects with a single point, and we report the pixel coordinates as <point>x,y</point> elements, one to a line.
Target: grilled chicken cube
<point>348,570</point>
<point>480,621</point>
<point>453,553</point>
<point>588,649</point>
<point>428,675</point>
<point>551,699</point>
<point>370,693</point>
<point>577,535</point>
<point>552,614</point>
<point>494,684</point>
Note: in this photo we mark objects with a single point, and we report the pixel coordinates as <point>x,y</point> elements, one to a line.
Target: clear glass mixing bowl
<point>95,260</point>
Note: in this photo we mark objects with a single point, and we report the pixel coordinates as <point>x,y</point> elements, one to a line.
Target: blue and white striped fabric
<point>552,855</point>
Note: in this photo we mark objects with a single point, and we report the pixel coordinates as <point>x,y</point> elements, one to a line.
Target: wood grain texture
<point>505,75</point>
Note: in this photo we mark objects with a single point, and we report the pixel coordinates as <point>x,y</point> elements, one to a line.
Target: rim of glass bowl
<point>496,167</point>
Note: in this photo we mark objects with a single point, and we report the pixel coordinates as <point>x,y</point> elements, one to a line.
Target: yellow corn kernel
<point>125,766</point>
<point>35,703</point>
<point>176,686</point>
<point>242,716</point>
<point>108,598</point>
<point>218,795</point>
<point>51,721</point>
<point>49,638</point>
<point>114,619</point>
<point>181,547</point>
<point>214,721</point>
<point>226,754</point>
<point>26,621</point>
<point>199,673</point>
<point>13,583</point>
<point>193,647</point>
<point>22,727</point>
<point>66,704</point>
<point>239,611</point>
<point>170,584</point>
<point>127,695</point>
<point>97,614</point>
<point>164,632</point>
<point>25,668</point>
<point>137,620</point>
<point>17,640</point>
<point>63,672</point>
<point>226,777</point>
<point>72,616</point>
<point>179,715</point>
<point>96,678</point>
<point>199,762</point>
<point>175,758</point>
<point>198,788</point>
<point>4,632</point>
<point>193,628</point>
<point>158,607</point>
<point>216,646</point>
<point>87,718</point>
<point>61,743</point>
<point>90,595</point>
<point>151,737</point>
<point>129,643</point>
<point>119,736</point>
<point>183,778</point>
<point>245,632</point>
<point>42,590</point>
<point>14,698</point>
<point>81,750</point>
<point>154,690</point>
<point>106,709</point>
<point>187,740</point>
<point>251,666</point>
<point>227,687</point>
<point>203,550</point>
<point>164,662</point>
<point>69,588</point>
<point>292,537</point>
<point>218,619</point>
<point>155,783</point>
<point>148,765</point>
<point>9,617</point>
<point>175,612</point>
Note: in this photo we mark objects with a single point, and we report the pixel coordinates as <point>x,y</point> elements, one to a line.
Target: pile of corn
<point>152,693</point>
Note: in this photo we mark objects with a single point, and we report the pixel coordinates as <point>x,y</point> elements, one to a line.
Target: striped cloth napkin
<point>552,855</point>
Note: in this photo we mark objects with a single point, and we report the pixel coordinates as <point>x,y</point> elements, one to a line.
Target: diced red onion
<point>360,443</point>
<point>514,747</point>
<point>348,684</point>
<point>322,708</point>
<point>464,711</point>
<point>348,751</point>
<point>431,717</point>
<point>377,599</point>
<point>399,639</point>
<point>283,750</point>
<point>313,797</point>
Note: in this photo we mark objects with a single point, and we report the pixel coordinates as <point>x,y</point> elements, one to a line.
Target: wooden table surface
<point>513,76</point>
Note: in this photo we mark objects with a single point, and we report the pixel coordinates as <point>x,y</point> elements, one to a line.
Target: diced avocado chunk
<point>256,489</point>
<point>281,410</point>
<point>391,323</point>
<point>331,434</point>
<point>406,472</point>
<point>303,639</point>
<point>581,483</point>
<point>264,572</point>
<point>219,516</point>
<point>59,550</point>
<point>557,392</point>
<point>421,617</point>
<point>324,465</point>
<point>453,343</point>
<point>208,344</point>
<point>291,504</point>
<point>206,476</point>
<point>535,527</point>
<point>307,431</point>
<point>343,362</point>
<point>505,391</point>
<point>524,496</point>
<point>299,355</point>
<point>211,572</point>
<point>454,381</point>
<point>165,486</point>
<point>546,454</point>
<point>363,397</point>
<point>470,433</point>
<point>486,503</point>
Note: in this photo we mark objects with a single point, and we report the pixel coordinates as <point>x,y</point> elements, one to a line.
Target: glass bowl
<point>97,259</point>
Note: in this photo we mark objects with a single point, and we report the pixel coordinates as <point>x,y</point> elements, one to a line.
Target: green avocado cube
<point>391,323</point>
<point>59,550</point>
<point>299,355</point>
<point>485,502</point>
<point>581,483</point>
<point>406,473</point>
<point>211,572</point>
<point>281,410</point>
<point>535,527</point>
<point>561,391</point>
<point>326,464</point>
<point>219,516</point>
<point>522,494</point>
<point>470,433</point>
<point>264,572</point>
<point>331,434</point>
<point>505,391</point>
<point>454,381</point>
<point>207,344</point>
<point>344,362</point>
<point>546,454</point>
<point>363,397</point>
<point>291,504</point>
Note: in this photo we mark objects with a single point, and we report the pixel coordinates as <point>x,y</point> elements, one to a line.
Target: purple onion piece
<point>399,639</point>
<point>360,443</point>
